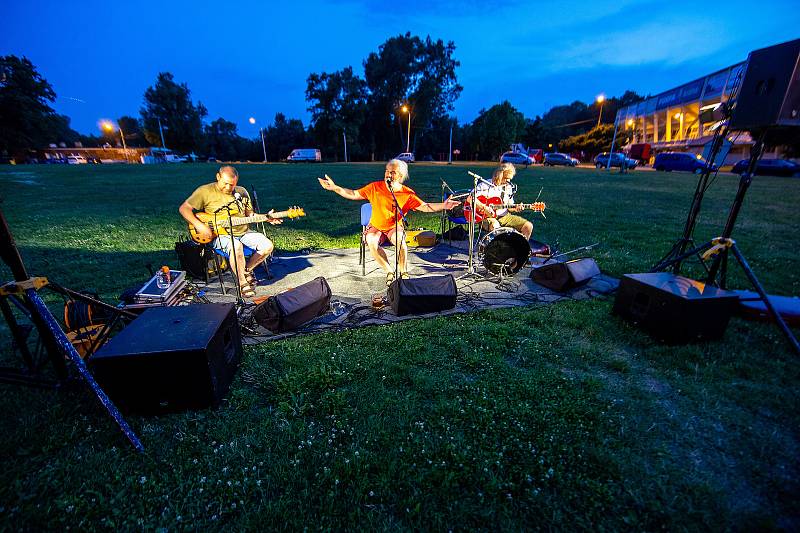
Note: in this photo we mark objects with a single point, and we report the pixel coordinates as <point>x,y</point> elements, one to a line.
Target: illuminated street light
<point>108,126</point>
<point>407,109</point>
<point>601,98</point>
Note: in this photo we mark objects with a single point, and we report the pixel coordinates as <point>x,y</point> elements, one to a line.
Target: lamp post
<point>252,120</point>
<point>407,109</point>
<point>601,98</point>
<point>109,127</point>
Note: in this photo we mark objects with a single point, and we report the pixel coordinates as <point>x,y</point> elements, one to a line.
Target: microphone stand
<point>232,254</point>
<point>471,270</point>
<point>398,243</point>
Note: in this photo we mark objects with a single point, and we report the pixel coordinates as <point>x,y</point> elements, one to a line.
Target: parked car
<point>601,160</point>
<point>408,157</point>
<point>304,154</point>
<point>517,158</point>
<point>770,167</point>
<point>556,158</point>
<point>537,155</point>
<point>76,160</point>
<point>685,161</point>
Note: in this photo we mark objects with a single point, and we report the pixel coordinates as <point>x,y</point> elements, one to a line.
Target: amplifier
<point>423,295</point>
<point>171,358</point>
<point>674,309</point>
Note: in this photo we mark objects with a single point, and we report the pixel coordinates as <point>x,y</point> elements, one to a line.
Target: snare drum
<point>504,250</point>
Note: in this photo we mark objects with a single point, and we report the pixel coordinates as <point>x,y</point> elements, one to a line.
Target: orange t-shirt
<point>377,193</point>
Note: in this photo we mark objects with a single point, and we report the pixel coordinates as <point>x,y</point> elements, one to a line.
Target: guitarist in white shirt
<point>503,189</point>
<point>212,198</point>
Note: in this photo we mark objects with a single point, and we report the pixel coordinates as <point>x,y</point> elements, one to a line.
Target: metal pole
<point>450,151</point>
<point>613,140</point>
<point>600,116</point>
<point>344,136</point>
<point>124,147</point>
<point>163,145</point>
<point>408,137</point>
<point>263,144</point>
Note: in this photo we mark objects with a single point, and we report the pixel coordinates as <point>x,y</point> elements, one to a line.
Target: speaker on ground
<point>423,295</point>
<point>567,275</point>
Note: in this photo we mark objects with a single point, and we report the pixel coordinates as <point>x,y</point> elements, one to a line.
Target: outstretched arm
<point>328,184</point>
<point>439,206</point>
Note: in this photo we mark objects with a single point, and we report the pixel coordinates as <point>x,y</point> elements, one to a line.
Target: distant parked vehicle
<point>76,160</point>
<point>770,167</point>
<point>408,157</point>
<point>517,158</point>
<point>559,159</point>
<point>304,154</point>
<point>537,155</point>
<point>685,161</point>
<point>617,158</point>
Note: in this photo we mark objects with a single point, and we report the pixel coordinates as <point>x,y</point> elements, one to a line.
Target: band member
<point>382,223</point>
<point>503,189</point>
<point>212,198</point>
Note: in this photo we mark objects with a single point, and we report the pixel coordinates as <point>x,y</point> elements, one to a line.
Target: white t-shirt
<point>505,192</point>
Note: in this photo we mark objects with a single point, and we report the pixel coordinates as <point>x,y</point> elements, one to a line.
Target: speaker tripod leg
<point>760,290</point>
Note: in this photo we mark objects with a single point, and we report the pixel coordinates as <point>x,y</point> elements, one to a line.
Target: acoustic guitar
<point>220,225</point>
<point>497,203</point>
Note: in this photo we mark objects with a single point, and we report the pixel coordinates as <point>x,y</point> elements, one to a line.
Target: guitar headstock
<point>294,212</point>
<point>538,206</point>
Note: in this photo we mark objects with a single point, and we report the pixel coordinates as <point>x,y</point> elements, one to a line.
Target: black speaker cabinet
<point>770,90</point>
<point>567,275</point>
<point>674,309</point>
<point>171,359</point>
<point>423,295</point>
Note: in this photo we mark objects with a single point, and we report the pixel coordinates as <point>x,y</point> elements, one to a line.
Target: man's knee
<point>373,241</point>
<point>527,228</point>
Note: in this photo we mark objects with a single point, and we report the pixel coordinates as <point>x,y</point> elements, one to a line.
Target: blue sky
<point>252,58</point>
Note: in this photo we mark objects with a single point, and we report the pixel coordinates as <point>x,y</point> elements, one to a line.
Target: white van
<point>305,154</point>
<point>76,160</point>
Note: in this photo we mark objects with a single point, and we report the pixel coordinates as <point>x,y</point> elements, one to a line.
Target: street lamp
<point>601,98</point>
<point>252,120</point>
<point>108,126</point>
<point>407,109</point>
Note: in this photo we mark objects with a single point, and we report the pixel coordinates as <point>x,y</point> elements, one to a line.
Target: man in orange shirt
<point>382,223</point>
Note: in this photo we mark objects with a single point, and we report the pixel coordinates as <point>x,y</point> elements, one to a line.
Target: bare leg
<point>374,244</point>
<point>258,256</point>
<point>236,260</point>
<point>527,230</point>
<point>402,251</point>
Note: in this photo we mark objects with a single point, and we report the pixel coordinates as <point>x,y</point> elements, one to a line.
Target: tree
<point>337,104</point>
<point>495,129</point>
<point>222,140</point>
<point>132,129</point>
<point>25,114</point>
<point>407,70</point>
<point>182,121</point>
<point>284,135</point>
<point>596,140</point>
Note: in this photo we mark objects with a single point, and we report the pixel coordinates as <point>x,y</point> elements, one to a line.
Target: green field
<point>560,417</point>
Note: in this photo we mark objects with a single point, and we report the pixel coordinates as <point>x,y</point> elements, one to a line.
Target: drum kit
<point>502,251</point>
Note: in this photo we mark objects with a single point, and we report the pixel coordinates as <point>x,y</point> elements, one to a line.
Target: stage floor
<point>352,293</point>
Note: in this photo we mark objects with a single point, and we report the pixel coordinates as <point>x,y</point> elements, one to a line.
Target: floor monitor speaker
<point>674,309</point>
<point>171,358</point>
<point>567,275</point>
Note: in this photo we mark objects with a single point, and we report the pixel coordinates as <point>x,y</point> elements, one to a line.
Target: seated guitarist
<point>212,198</point>
<point>503,189</point>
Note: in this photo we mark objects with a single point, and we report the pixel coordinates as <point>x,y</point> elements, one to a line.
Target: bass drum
<point>504,250</point>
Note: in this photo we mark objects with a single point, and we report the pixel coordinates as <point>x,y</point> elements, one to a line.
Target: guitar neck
<point>240,221</point>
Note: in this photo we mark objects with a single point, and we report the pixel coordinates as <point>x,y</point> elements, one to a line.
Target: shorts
<point>507,221</point>
<point>385,235</point>
<point>252,239</point>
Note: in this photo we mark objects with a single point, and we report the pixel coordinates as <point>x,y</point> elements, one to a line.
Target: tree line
<point>406,76</point>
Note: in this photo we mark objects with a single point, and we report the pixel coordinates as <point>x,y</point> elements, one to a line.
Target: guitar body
<point>497,203</point>
<point>221,225</point>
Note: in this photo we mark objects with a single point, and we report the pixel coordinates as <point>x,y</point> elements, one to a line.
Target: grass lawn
<point>560,417</point>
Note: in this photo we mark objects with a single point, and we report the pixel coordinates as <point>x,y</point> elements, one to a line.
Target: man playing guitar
<point>217,198</point>
<point>501,188</point>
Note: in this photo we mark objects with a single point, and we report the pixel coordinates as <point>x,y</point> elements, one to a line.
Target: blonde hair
<point>501,170</point>
<point>402,167</point>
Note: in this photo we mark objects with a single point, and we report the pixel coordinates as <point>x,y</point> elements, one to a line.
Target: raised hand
<point>327,183</point>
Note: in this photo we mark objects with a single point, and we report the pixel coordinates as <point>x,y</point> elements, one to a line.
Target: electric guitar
<point>221,225</point>
<point>497,203</point>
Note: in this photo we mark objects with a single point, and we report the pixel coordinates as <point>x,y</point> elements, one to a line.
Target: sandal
<point>389,278</point>
<point>248,291</point>
<point>250,277</point>
<point>404,275</point>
